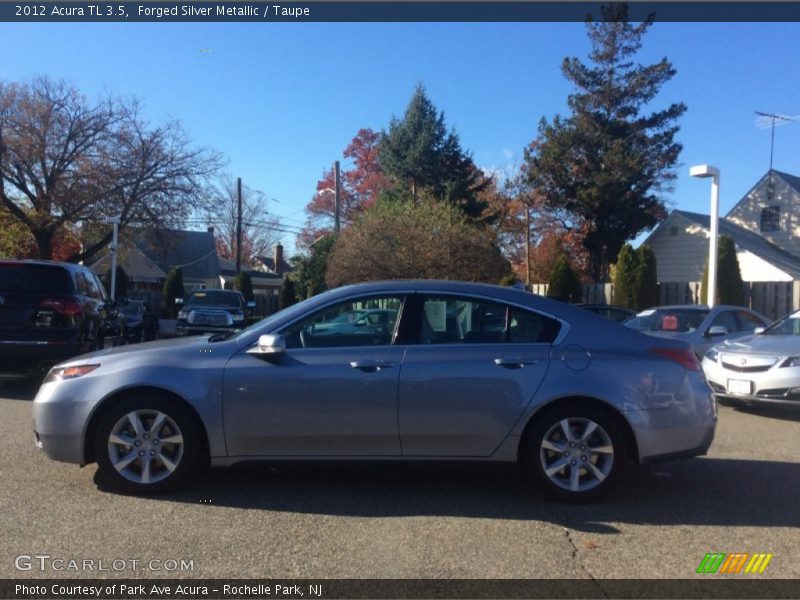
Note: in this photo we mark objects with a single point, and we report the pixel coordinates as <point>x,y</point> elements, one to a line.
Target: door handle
<point>513,362</point>
<point>370,366</point>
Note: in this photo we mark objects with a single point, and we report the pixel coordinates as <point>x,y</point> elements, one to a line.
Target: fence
<point>773,299</point>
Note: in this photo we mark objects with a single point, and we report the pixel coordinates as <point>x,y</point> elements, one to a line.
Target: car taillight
<point>64,306</point>
<point>684,357</point>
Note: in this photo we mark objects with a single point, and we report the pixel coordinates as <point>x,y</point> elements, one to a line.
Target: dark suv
<point>211,311</point>
<point>49,311</point>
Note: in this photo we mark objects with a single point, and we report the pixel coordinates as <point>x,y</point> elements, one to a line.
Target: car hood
<point>150,349</point>
<point>784,345</point>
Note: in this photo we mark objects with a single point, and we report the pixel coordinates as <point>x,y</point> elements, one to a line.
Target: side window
<point>367,321</point>
<point>531,328</point>
<point>726,319</point>
<point>453,320</point>
<point>81,286</point>
<point>97,290</point>
<point>749,321</point>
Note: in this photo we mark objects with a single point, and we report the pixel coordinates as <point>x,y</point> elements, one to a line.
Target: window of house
<point>771,218</point>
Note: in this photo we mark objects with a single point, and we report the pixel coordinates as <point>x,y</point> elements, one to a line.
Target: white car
<point>761,368</point>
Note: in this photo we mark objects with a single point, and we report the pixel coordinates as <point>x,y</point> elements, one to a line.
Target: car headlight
<point>238,317</point>
<point>792,361</point>
<point>183,314</point>
<point>712,355</point>
<point>61,373</point>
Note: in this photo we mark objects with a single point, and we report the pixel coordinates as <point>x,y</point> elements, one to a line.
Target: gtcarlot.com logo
<point>738,562</point>
<point>45,562</point>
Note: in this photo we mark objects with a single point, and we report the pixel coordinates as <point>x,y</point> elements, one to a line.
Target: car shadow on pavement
<point>704,491</point>
<point>784,413</point>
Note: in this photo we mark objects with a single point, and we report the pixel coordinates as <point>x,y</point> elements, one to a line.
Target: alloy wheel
<point>145,446</point>
<point>576,454</point>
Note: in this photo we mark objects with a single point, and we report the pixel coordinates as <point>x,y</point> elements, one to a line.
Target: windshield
<point>677,320</point>
<point>216,298</point>
<point>131,309</point>
<point>787,326</point>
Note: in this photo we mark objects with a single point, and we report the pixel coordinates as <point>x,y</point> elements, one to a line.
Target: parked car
<point>760,368</point>
<point>132,321</point>
<point>609,311</point>
<point>211,311</point>
<point>699,325</point>
<point>566,393</point>
<point>49,311</point>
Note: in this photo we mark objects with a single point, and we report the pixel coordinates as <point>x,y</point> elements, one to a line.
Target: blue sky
<point>282,101</point>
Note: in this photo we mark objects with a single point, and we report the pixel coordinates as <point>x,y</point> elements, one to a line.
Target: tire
<point>547,447</point>
<point>167,448</point>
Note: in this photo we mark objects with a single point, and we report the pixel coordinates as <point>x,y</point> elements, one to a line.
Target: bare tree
<point>260,230</point>
<point>66,161</point>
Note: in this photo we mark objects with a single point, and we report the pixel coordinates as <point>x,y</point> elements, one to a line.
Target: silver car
<point>762,368</point>
<point>699,325</point>
<point>466,371</point>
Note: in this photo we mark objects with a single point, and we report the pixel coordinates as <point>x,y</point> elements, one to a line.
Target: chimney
<point>278,259</point>
<point>211,229</point>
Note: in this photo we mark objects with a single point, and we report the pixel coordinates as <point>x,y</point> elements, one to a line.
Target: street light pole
<point>704,171</point>
<point>114,240</point>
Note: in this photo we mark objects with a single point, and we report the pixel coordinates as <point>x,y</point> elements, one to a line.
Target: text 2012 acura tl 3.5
<point>463,371</point>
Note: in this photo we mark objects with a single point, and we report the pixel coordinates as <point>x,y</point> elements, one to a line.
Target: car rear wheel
<point>147,445</point>
<point>575,453</point>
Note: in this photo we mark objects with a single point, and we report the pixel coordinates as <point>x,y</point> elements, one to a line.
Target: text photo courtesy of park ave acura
<point>392,299</point>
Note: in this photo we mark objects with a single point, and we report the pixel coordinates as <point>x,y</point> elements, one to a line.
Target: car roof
<point>42,262</point>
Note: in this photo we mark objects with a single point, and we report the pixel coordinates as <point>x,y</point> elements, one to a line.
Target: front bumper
<point>59,421</point>
<point>182,329</point>
<point>776,385</point>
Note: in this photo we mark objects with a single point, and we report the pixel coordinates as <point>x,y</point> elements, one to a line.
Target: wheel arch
<point>142,390</point>
<point>630,438</point>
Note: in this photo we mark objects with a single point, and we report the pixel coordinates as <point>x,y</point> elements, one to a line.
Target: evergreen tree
<point>730,287</point>
<point>625,278</point>
<point>244,283</point>
<point>309,274</point>
<point>420,153</point>
<point>606,163</point>
<point>173,288</point>
<point>646,278</point>
<point>288,295</point>
<point>564,282</point>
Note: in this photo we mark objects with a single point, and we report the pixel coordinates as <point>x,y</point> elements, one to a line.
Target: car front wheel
<point>146,446</point>
<point>575,453</point>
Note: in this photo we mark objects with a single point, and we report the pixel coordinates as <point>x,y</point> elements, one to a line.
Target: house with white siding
<point>764,225</point>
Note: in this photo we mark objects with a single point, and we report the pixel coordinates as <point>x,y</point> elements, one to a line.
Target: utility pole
<point>239,226</point>
<point>527,245</point>
<point>337,199</point>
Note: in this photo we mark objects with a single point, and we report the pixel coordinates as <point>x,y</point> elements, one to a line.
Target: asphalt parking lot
<point>399,521</point>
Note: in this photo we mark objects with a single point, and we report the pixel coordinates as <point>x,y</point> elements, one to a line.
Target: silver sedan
<point>762,368</point>
<point>699,325</point>
<point>465,372</point>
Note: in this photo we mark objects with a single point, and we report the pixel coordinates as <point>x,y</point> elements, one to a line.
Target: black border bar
<point>733,587</point>
<point>333,11</point>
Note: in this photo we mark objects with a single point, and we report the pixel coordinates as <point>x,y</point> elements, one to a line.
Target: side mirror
<point>251,304</point>
<point>717,330</point>
<point>758,330</point>
<point>179,301</point>
<point>269,345</point>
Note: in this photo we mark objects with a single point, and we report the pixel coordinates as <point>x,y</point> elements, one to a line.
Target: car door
<point>475,366</point>
<point>333,392</point>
